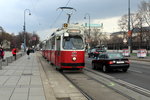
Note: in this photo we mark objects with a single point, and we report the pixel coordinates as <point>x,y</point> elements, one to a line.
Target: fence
<point>135,46</point>
<point>10,59</point>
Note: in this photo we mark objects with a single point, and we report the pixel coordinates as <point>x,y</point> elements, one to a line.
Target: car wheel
<point>104,69</point>
<point>124,70</point>
<point>93,66</point>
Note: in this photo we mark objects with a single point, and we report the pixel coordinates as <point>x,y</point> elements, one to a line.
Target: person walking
<point>2,53</point>
<point>14,52</point>
<point>28,53</point>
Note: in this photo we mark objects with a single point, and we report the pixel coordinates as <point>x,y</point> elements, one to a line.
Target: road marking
<point>111,84</point>
<point>135,71</point>
<point>122,83</point>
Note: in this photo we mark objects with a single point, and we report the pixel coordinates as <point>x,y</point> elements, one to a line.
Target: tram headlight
<point>74,58</point>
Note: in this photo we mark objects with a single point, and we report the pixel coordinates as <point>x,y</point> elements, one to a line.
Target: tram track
<point>133,87</point>
<point>111,82</point>
<point>130,91</point>
<point>95,86</point>
<point>98,91</point>
<point>83,92</point>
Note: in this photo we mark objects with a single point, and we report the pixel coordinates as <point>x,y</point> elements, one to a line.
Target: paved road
<point>138,73</point>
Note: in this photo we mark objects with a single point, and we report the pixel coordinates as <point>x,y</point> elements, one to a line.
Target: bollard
<point>17,56</point>
<point>9,59</point>
<point>12,58</point>
<point>4,62</point>
<point>0,64</point>
<point>20,55</point>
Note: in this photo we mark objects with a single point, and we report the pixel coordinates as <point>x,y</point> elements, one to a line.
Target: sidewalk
<point>25,79</point>
<point>21,80</point>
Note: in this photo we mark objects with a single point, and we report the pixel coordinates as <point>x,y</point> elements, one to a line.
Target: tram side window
<point>58,45</point>
<point>53,43</point>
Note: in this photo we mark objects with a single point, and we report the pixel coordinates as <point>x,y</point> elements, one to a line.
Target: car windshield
<point>115,55</point>
<point>73,43</point>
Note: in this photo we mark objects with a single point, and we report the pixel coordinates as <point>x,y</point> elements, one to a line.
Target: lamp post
<point>89,22</point>
<point>24,28</point>
<point>129,30</point>
<point>89,28</point>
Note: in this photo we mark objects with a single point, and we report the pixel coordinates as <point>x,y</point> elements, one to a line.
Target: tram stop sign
<point>65,25</point>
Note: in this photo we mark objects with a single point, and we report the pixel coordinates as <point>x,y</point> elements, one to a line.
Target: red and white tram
<point>66,48</point>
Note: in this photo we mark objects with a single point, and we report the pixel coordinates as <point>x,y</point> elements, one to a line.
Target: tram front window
<point>73,43</point>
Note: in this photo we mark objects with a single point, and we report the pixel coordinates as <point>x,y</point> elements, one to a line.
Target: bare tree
<point>5,37</point>
<point>95,37</point>
<point>123,22</point>
<point>144,10</point>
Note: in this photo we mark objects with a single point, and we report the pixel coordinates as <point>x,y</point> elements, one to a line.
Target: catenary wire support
<point>69,11</point>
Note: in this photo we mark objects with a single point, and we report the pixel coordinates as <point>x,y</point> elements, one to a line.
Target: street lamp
<point>89,22</point>
<point>129,30</point>
<point>89,28</point>
<point>24,28</point>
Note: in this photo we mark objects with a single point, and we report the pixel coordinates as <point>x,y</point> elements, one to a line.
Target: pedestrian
<point>2,53</point>
<point>14,52</point>
<point>28,53</point>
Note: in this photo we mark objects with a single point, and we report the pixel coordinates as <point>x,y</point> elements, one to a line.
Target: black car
<point>111,61</point>
<point>95,52</point>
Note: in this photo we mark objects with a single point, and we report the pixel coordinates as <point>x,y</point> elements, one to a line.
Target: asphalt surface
<point>138,73</point>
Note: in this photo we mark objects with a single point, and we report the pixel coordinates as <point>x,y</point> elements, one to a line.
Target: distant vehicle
<point>95,52</point>
<point>125,53</point>
<point>142,53</point>
<point>111,61</point>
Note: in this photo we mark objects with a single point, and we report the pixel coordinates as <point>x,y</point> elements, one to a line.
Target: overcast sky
<point>44,14</point>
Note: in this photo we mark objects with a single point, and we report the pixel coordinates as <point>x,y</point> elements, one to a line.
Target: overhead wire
<point>57,18</point>
<point>59,14</point>
<point>34,9</point>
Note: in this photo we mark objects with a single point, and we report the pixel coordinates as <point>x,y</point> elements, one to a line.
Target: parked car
<point>95,52</point>
<point>111,61</point>
<point>142,53</point>
<point>126,53</point>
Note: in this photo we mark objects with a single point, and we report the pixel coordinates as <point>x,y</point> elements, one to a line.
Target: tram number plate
<point>74,66</point>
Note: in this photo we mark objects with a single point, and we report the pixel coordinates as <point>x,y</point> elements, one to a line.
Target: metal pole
<point>129,30</point>
<point>89,23</point>
<point>89,27</point>
<point>24,28</point>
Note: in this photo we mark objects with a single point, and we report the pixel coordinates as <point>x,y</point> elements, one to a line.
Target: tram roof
<point>62,30</point>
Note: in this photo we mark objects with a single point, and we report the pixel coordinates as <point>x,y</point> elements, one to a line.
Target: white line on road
<point>135,71</point>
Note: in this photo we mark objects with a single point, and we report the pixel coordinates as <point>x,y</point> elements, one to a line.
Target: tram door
<point>58,53</point>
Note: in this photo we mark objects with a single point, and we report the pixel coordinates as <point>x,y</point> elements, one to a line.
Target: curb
<point>140,59</point>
